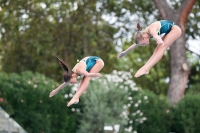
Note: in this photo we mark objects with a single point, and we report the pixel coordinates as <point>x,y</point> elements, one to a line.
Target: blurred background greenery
<point>32,31</point>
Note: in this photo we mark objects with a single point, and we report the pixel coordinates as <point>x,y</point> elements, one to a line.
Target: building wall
<point>8,125</point>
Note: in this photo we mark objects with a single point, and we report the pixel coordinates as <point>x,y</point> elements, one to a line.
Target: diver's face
<point>73,80</point>
<point>145,40</point>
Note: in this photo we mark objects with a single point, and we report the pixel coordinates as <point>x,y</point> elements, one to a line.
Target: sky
<point>194,45</point>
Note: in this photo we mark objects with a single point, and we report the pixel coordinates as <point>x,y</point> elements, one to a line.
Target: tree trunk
<point>179,65</point>
<point>179,70</point>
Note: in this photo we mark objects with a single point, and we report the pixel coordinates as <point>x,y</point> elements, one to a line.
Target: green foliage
<point>192,25</point>
<point>103,105</point>
<point>33,30</point>
<point>194,77</point>
<point>149,113</point>
<point>187,115</point>
<point>28,102</point>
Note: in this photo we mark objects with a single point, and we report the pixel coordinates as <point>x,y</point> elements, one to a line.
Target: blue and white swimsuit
<point>165,26</point>
<point>89,63</point>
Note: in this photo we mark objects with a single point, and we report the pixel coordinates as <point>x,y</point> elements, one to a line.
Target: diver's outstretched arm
<point>54,92</point>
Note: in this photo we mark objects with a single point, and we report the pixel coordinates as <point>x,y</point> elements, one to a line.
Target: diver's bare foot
<point>141,72</point>
<point>73,101</point>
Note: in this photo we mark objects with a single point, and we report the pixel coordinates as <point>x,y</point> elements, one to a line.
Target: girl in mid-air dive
<point>88,67</point>
<point>171,33</point>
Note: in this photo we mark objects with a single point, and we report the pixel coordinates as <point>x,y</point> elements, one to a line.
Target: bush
<point>103,105</point>
<point>149,113</point>
<point>187,115</point>
<point>28,102</point>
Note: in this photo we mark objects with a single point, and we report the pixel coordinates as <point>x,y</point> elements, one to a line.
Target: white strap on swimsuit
<point>158,30</point>
<point>83,60</point>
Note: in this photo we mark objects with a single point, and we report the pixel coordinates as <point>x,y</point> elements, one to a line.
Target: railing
<point>8,125</point>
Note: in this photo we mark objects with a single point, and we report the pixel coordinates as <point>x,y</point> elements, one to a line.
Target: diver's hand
<point>120,55</point>
<point>53,92</point>
<point>159,41</point>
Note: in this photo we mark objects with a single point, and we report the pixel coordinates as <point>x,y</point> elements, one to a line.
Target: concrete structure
<point>111,129</point>
<point>8,125</point>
